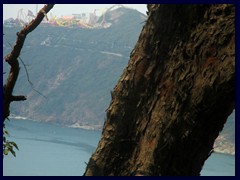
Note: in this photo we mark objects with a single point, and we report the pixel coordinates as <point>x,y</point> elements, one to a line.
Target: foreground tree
<point>12,60</point>
<point>174,96</point>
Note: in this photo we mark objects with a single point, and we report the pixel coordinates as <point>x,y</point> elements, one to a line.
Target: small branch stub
<point>18,98</point>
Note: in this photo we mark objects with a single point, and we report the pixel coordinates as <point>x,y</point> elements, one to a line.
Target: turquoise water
<point>46,149</point>
<point>219,165</point>
<point>51,150</point>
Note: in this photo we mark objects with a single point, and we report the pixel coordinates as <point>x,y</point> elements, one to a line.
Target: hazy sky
<point>11,10</point>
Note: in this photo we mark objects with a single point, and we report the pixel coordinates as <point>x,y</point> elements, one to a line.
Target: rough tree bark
<point>12,60</point>
<point>174,95</point>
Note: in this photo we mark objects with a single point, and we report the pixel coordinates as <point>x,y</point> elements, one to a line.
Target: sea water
<point>51,150</point>
<point>47,149</point>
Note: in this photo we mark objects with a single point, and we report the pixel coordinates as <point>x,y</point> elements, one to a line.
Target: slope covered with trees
<point>76,69</point>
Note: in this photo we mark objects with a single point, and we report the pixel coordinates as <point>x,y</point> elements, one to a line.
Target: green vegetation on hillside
<point>76,69</point>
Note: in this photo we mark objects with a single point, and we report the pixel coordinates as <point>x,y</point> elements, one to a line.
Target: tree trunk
<point>174,95</point>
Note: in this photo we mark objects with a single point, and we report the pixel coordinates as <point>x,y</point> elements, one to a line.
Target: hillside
<point>76,69</point>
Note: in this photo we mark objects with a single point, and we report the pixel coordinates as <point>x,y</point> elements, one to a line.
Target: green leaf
<point>6,132</point>
<point>8,146</point>
<point>13,152</point>
<point>14,144</point>
<point>5,152</point>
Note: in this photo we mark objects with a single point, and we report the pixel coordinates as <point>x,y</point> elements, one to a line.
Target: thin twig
<point>28,78</point>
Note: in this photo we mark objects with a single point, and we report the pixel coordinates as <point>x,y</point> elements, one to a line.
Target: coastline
<point>220,146</point>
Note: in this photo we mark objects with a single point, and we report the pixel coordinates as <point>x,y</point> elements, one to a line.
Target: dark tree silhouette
<point>174,96</point>
<point>12,60</point>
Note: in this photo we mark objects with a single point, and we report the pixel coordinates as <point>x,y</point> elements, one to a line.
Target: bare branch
<point>12,59</point>
<point>18,98</point>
